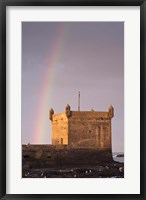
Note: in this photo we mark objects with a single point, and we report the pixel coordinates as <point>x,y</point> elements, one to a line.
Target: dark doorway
<point>61,140</point>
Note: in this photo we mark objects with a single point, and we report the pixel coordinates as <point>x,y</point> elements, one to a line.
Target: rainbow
<point>46,87</point>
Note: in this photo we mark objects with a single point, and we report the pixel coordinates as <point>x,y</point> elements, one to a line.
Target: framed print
<point>72,99</point>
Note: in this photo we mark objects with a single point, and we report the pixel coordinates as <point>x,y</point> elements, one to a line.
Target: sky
<point>61,58</point>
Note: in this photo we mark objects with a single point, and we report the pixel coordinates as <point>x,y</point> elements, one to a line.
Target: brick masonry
<point>82,129</point>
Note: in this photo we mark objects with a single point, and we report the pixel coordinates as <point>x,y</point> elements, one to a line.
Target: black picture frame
<point>3,124</point>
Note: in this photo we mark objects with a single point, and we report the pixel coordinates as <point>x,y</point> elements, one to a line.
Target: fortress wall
<point>89,114</point>
<point>59,129</point>
<point>89,129</point>
<point>81,132</point>
<point>82,129</point>
<point>105,128</point>
<point>60,156</point>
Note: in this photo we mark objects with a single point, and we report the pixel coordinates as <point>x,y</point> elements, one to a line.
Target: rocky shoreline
<point>48,161</point>
<point>113,170</point>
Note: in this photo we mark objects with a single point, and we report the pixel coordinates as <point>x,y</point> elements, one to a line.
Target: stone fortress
<point>82,129</point>
<point>80,139</point>
<point>81,148</point>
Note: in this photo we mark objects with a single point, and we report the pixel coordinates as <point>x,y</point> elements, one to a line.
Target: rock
<point>121,169</point>
<point>25,164</point>
<point>120,155</point>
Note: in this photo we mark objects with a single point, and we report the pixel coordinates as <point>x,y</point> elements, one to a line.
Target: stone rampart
<point>50,156</point>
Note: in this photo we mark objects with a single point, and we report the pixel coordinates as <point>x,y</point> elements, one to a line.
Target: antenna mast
<point>79,101</point>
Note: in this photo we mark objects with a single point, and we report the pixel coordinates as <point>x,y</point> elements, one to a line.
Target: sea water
<point>118,159</point>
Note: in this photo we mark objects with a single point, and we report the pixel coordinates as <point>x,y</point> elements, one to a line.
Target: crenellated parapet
<point>82,129</point>
<point>68,110</point>
<point>111,111</point>
<point>51,113</point>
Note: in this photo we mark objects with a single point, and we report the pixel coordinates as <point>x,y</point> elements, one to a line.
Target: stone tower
<point>82,129</point>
